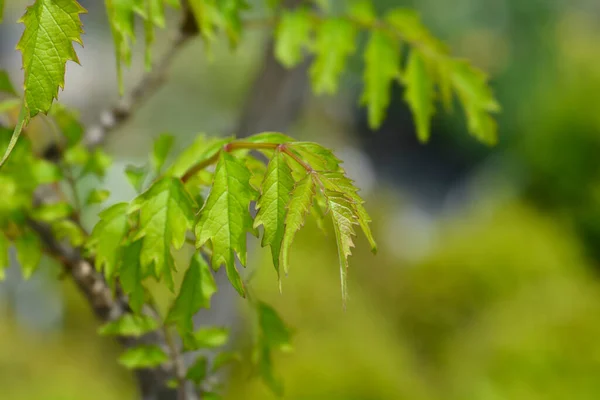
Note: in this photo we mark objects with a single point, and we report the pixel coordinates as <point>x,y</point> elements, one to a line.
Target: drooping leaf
<point>274,332</point>
<point>51,27</point>
<point>272,204</point>
<point>29,252</point>
<point>231,10</point>
<point>207,17</point>
<point>129,325</point>
<point>382,60</point>
<point>166,214</point>
<point>342,214</point>
<point>300,203</point>
<point>162,147</point>
<point>265,368</point>
<point>335,42</point>
<point>108,237</point>
<point>225,218</point>
<point>338,182</point>
<point>196,290</point>
<point>419,94</point>
<point>132,275</point>
<point>121,16</point>
<point>292,37</point>
<point>144,356</point>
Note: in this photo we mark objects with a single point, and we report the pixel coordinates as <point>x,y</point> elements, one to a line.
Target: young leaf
<point>319,157</point>
<point>382,60</point>
<point>335,42</point>
<point>29,252</point>
<point>166,214</point>
<point>225,218</point>
<point>338,182</point>
<point>343,217</point>
<point>129,325</point>
<point>4,262</point>
<point>144,356</point>
<point>301,200</point>
<point>135,176</point>
<point>201,150</point>
<point>108,236</point>
<point>51,27</point>
<point>162,147</point>
<point>292,36</point>
<point>52,212</point>
<point>197,288</point>
<point>131,275</point>
<point>97,196</point>
<point>272,204</point>
<point>419,94</point>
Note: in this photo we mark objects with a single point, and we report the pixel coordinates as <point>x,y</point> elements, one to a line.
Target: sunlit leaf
<point>162,147</point>
<point>129,325</point>
<point>144,356</point>
<point>419,94</point>
<point>293,36</point>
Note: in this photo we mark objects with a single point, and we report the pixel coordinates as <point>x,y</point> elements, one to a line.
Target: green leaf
<point>77,155</point>
<point>108,237</point>
<point>70,230</point>
<point>166,214</point>
<point>196,290</point>
<point>225,218</point>
<point>408,23</point>
<point>419,94</point>
<point>335,42</point>
<point>51,27</point>
<point>129,325</point>
<point>382,67</point>
<point>68,122</point>
<point>362,11</point>
<point>299,205</point>
<point>269,137</point>
<point>342,214</point>
<point>477,99</point>
<point>1,10</point>
<point>131,275</point>
<point>4,261</point>
<point>135,176</point>
<point>121,16</point>
<point>338,182</point>
<point>272,204</point>
<point>5,85</point>
<point>225,358</point>
<point>52,212</point>
<point>29,252</point>
<point>207,17</point>
<point>97,196</point>
<point>206,338</point>
<point>97,163</point>
<point>292,37</point>
<point>145,356</point>
<point>274,332</point>
<point>232,22</point>
<point>197,371</point>
<point>265,367</point>
<point>202,149</point>
<point>162,147</point>
<point>317,156</point>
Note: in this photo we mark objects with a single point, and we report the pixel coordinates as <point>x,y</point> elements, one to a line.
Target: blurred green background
<point>486,283</point>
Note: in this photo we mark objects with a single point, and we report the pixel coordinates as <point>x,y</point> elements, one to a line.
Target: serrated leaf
<point>382,67</point>
<point>335,42</point>
<point>206,338</point>
<point>29,252</point>
<point>129,325</point>
<point>274,332</point>
<point>132,275</point>
<point>4,261</point>
<point>162,147</point>
<point>196,290</point>
<point>202,149</point>
<point>292,37</point>
<point>97,196</point>
<point>269,137</point>
<point>135,176</point>
<point>477,100</point>
<point>5,85</point>
<point>272,204</point>
<point>108,237</point>
<point>51,27</point>
<point>317,156</point>
<point>300,203</point>
<point>338,182</point>
<point>52,212</point>
<point>145,356</point>
<point>419,94</point>
<point>343,217</point>
<point>166,214</point>
<point>225,218</point>
<point>197,371</point>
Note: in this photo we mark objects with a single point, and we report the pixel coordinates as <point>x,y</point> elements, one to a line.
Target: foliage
<point>187,202</point>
